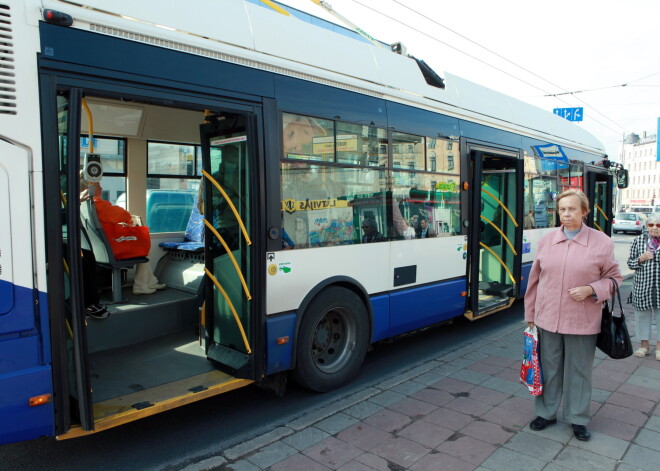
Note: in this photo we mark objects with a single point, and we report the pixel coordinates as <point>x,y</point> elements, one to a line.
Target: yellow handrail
<point>501,233</point>
<point>499,260</point>
<point>598,227</point>
<point>231,205</point>
<point>231,306</point>
<point>231,257</point>
<point>502,205</point>
<point>90,125</point>
<point>601,212</point>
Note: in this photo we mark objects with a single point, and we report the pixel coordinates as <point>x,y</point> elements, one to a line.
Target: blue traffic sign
<point>571,114</point>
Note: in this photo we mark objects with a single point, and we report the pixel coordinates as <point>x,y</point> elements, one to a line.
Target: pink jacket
<point>562,264</point>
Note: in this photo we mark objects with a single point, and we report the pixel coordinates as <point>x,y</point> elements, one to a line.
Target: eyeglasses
<point>653,225</point>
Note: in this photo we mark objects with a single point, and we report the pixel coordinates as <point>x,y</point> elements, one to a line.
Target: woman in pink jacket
<point>569,280</point>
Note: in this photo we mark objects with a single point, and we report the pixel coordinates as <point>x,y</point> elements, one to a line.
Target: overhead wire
<point>489,64</point>
<point>626,84</point>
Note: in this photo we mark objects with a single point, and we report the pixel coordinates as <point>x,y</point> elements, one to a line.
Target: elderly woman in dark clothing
<point>645,295</point>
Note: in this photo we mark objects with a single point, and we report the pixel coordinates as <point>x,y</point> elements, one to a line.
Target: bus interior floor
<point>137,301</point>
<point>145,365</point>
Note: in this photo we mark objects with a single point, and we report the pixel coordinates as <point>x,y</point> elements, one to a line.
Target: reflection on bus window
<point>430,208</point>
<point>408,151</point>
<point>304,137</point>
<point>361,145</point>
<point>323,206</point>
<point>540,192</point>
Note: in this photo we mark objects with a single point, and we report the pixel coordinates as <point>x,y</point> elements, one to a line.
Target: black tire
<point>332,341</point>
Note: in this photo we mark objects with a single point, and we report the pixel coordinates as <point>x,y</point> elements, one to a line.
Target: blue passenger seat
<point>193,240</point>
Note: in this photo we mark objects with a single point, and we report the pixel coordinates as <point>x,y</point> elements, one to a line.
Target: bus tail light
<point>463,293</point>
<point>282,340</point>
<point>39,400</point>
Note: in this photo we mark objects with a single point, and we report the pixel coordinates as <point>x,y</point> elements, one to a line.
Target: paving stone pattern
<point>467,411</point>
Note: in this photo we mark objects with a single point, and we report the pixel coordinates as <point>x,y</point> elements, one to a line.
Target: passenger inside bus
<point>145,281</point>
<point>371,234</point>
<point>423,230</point>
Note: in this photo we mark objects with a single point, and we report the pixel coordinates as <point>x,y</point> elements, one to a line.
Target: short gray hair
<point>653,217</point>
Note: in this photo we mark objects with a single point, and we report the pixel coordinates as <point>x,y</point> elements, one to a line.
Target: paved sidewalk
<point>467,411</point>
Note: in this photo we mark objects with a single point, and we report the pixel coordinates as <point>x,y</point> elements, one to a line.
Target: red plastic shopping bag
<point>127,241</point>
<point>530,370</point>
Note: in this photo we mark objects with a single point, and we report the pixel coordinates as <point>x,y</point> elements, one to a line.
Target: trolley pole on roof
<point>327,7</point>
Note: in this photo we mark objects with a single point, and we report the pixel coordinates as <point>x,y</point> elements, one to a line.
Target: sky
<point>531,49</point>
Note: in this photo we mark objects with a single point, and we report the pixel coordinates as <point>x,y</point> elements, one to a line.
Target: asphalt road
<point>176,438</point>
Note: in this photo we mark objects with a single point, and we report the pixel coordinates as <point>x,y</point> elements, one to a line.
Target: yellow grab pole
<point>231,204</point>
<point>501,233</point>
<point>231,306</point>
<point>90,125</point>
<point>601,212</point>
<point>499,260</point>
<point>501,204</point>
<point>231,257</point>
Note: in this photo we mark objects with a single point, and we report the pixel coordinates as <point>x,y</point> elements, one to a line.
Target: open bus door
<point>230,326</point>
<point>599,190</point>
<point>495,229</point>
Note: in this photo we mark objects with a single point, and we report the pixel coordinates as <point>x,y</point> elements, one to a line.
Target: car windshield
<point>627,216</point>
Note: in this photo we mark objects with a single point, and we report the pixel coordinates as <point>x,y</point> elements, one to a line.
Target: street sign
<point>571,114</point>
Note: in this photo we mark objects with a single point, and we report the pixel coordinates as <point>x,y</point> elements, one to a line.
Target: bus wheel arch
<point>332,337</point>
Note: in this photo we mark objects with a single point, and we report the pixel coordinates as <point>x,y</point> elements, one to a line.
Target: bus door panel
<point>228,155</point>
<point>495,235</point>
<point>599,190</point>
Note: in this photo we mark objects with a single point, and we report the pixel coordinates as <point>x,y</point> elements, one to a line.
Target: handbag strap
<point>616,294</point>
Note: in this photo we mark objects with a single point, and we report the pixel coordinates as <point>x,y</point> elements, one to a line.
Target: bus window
<point>440,156</point>
<point>323,206</point>
<point>173,171</point>
<point>572,177</point>
<point>431,207</point>
<point>304,137</point>
<point>407,151</point>
<point>361,145</point>
<point>113,161</point>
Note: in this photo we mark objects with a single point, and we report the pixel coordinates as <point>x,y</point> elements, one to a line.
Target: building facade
<point>640,158</point>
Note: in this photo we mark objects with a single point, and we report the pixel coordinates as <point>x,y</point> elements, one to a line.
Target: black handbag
<point>614,339</point>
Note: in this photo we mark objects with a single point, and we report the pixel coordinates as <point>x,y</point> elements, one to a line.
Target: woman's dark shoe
<point>96,311</point>
<point>540,423</point>
<point>581,432</point>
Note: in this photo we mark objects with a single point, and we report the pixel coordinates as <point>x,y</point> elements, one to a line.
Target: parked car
<point>629,222</point>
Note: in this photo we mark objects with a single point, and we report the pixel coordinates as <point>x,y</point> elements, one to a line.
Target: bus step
<point>489,305</point>
<point>123,409</point>
<point>496,289</point>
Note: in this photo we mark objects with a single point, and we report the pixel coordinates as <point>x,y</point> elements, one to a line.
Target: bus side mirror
<point>622,178</point>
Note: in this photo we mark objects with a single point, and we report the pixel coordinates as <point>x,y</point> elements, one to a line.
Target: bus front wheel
<point>333,340</point>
